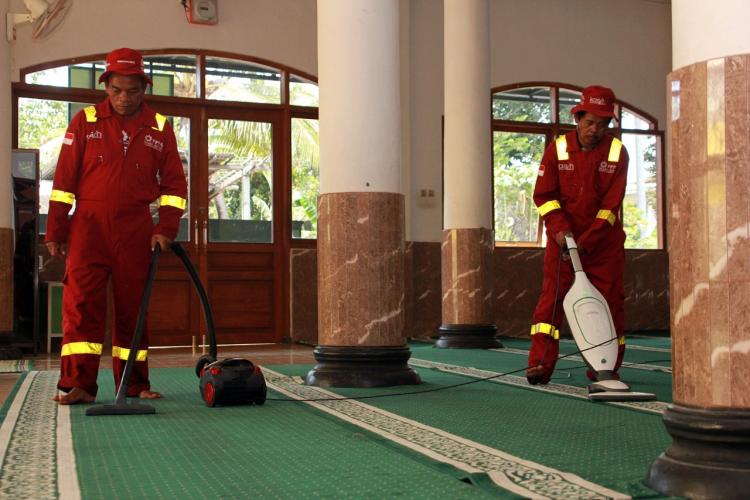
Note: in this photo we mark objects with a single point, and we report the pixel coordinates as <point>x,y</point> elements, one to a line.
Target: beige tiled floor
<point>265,354</point>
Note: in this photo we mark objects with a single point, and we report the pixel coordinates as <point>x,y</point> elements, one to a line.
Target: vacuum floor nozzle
<point>120,409</point>
<point>616,390</point>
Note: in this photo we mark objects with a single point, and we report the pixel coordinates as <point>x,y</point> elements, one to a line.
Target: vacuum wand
<point>121,406</point>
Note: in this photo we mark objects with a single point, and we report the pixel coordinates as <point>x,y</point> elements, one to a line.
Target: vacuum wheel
<point>209,394</point>
<point>203,361</point>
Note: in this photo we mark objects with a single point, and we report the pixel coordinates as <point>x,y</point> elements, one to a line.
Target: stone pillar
<point>468,242</point>
<point>709,254</point>
<point>361,300</point>
<point>6,225</point>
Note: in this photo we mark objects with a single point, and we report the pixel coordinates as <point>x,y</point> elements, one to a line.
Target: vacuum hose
<point>180,252</point>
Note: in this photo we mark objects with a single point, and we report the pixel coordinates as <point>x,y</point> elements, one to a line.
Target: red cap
<point>597,100</point>
<point>126,62</point>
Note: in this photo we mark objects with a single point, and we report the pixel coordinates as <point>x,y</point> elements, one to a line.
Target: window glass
<point>41,125</point>
<point>305,178</point>
<point>240,183</point>
<point>303,92</point>
<point>528,104</point>
<point>631,120</point>
<point>516,163</point>
<point>567,100</point>
<point>173,75</point>
<point>83,76</point>
<point>232,80</point>
<point>640,218</point>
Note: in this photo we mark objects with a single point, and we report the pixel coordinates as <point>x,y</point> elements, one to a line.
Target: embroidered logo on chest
<point>153,143</point>
<point>607,168</point>
<point>96,134</point>
<point>566,166</point>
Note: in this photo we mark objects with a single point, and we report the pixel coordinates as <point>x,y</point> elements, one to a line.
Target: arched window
<point>526,117</point>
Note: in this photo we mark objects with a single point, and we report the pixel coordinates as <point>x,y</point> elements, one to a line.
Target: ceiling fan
<point>44,15</point>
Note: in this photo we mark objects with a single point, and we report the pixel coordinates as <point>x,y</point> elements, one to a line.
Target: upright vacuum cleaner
<point>591,324</point>
<point>227,382</point>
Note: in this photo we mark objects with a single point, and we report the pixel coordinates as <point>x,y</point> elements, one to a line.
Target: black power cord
<point>436,389</point>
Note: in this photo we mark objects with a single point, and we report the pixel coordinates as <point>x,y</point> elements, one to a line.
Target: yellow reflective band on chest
<point>546,329</point>
<point>123,353</point>
<point>168,200</point>
<point>562,148</point>
<point>548,207</point>
<point>90,112</point>
<point>614,150</point>
<point>81,348</point>
<point>62,196</point>
<point>607,215</point>
<point>160,121</point>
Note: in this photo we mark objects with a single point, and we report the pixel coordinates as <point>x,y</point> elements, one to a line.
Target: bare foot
<point>147,394</point>
<point>75,396</point>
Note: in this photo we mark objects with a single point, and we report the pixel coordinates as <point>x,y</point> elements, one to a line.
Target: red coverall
<point>113,169</point>
<point>581,192</point>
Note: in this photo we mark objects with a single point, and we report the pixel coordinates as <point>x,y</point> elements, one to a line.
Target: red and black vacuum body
<point>231,381</point>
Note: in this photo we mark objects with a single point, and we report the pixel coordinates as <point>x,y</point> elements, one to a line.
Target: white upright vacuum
<point>591,324</point>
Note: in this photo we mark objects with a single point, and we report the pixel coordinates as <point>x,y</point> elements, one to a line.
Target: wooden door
<point>233,230</point>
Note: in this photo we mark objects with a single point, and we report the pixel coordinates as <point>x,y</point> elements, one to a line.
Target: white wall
<point>282,31</point>
<point>625,45</point>
<point>705,30</point>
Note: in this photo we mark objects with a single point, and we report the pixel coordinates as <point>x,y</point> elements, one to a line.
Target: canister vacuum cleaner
<point>232,381</point>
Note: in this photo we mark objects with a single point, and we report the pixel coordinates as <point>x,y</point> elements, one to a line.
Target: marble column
<point>361,297</point>
<point>709,262</point>
<point>468,242</point>
<point>6,230</point>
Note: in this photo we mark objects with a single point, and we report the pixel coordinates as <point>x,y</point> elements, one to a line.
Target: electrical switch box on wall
<point>202,11</point>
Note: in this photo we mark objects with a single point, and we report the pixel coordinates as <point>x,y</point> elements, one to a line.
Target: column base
<point>468,337</point>
<point>348,366</point>
<point>709,456</point>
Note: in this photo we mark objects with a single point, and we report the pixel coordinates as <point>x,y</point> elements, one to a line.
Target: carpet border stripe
<point>656,407</point>
<point>519,476</point>
<point>67,474</point>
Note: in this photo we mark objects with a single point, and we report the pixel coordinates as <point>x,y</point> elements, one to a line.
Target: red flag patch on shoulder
<point>68,139</point>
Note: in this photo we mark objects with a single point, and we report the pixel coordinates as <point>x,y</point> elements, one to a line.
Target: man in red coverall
<point>579,190</point>
<point>117,157</point>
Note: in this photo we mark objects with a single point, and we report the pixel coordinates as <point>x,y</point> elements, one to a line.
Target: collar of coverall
<point>147,116</point>
<point>574,145</point>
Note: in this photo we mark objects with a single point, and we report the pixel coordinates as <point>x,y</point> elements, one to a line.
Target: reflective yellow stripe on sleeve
<point>548,207</point>
<point>614,150</point>
<point>607,215</point>
<point>546,329</point>
<point>90,113</point>
<point>562,148</point>
<point>160,121</point>
<point>81,348</point>
<point>168,200</point>
<point>123,353</point>
<point>62,196</point>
